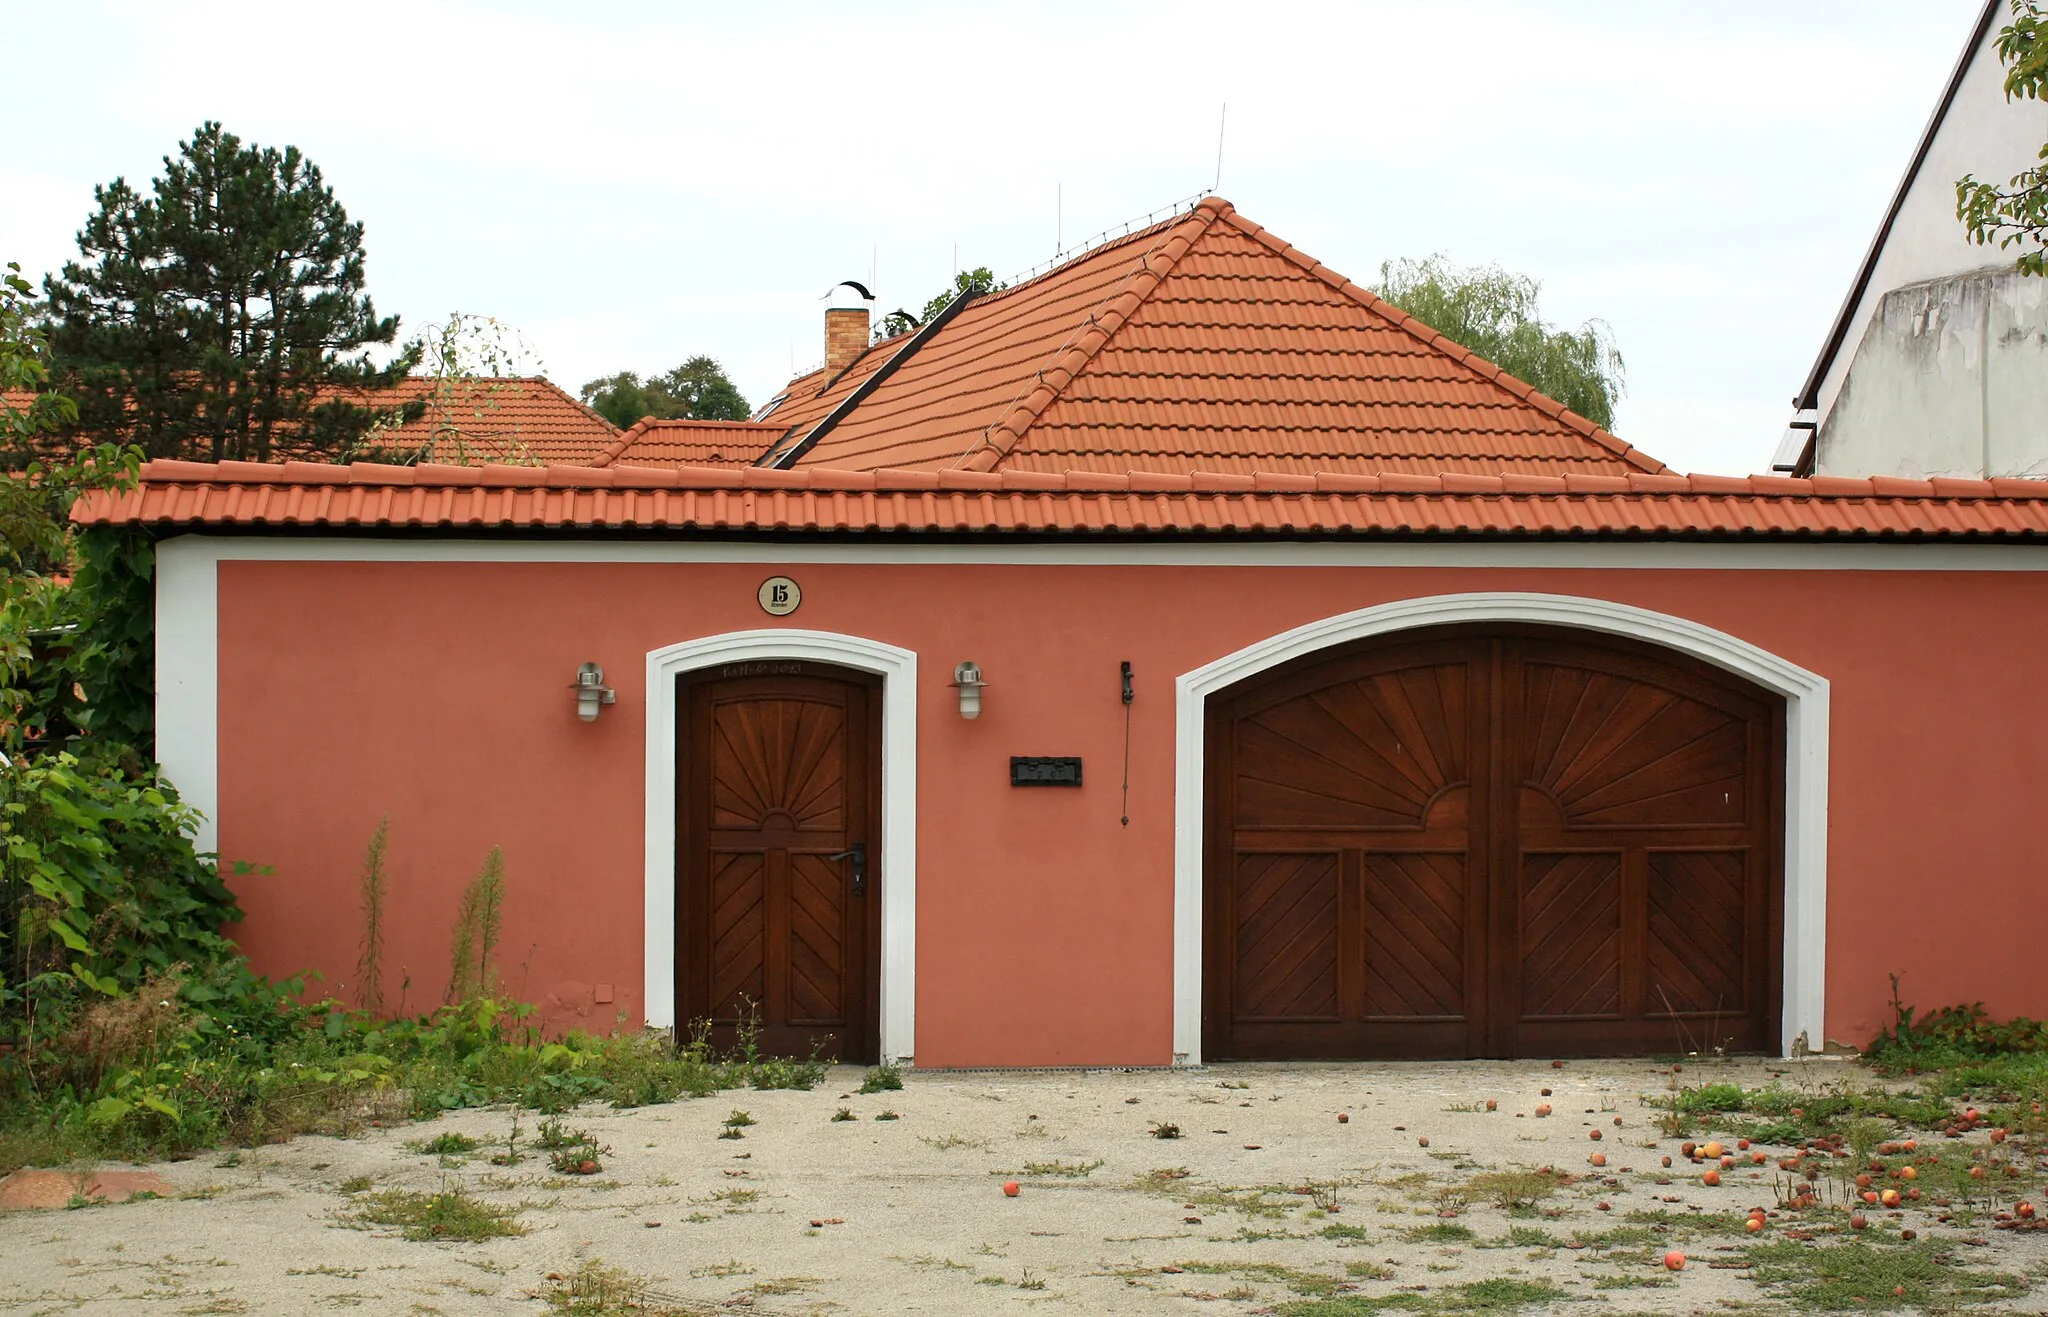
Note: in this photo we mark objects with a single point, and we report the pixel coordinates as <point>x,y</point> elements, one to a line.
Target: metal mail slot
<point>1041,771</point>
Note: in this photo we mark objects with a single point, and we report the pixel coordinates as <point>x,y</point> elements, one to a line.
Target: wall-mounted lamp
<point>591,692</point>
<point>967,679</point>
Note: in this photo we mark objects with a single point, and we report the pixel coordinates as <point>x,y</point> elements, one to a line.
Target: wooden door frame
<point>1803,850</point>
<point>896,870</point>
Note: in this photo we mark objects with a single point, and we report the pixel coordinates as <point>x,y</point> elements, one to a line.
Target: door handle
<point>859,855</point>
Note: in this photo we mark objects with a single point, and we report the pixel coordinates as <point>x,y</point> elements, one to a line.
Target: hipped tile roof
<point>1201,344</point>
<point>512,418</point>
<point>366,497</point>
<point>683,443</point>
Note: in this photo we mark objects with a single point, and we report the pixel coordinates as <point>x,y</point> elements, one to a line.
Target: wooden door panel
<point>1369,753</point>
<point>779,762</point>
<point>1697,947</point>
<point>1287,937</point>
<point>738,953</point>
<point>1414,962</point>
<point>1618,753</point>
<point>1571,935</point>
<point>817,941</point>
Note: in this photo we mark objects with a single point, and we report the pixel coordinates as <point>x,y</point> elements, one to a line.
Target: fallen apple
<point>1674,1260</point>
<point>1011,1189</point>
<point>1711,1179</point>
<point>1598,1159</point>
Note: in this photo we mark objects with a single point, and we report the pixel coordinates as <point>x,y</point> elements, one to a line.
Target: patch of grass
<point>1343,1234</point>
<point>1688,1225</point>
<point>1513,1190</point>
<point>948,1142</point>
<point>886,1114</point>
<point>1063,1170</point>
<point>449,1214</point>
<point>596,1289</point>
<point>1500,1295</point>
<point>884,1078</point>
<point>1525,1237</point>
<point>445,1144</point>
<point>1164,1129</point>
<point>1866,1276</point>
<point>1313,1283</point>
<point>1438,1232</point>
<point>843,1114</point>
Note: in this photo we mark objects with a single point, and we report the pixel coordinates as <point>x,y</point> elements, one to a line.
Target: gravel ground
<point>806,1214</point>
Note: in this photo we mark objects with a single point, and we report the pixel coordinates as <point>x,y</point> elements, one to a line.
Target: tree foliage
<point>212,318</point>
<point>1494,312</point>
<point>470,365</point>
<point>978,281</point>
<point>697,390</point>
<point>2017,213</point>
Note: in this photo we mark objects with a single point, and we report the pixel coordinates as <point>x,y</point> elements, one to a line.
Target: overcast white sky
<point>630,184</point>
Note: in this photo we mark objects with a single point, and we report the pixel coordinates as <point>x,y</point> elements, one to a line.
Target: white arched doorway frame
<point>1806,768</point>
<point>897,872</point>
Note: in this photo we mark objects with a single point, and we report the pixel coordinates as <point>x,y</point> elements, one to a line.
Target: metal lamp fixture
<point>591,692</point>
<point>967,679</point>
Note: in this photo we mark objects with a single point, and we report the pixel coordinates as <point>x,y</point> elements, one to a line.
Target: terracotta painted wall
<point>437,694</point>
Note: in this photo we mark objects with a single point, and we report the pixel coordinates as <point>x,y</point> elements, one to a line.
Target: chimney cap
<point>856,285</point>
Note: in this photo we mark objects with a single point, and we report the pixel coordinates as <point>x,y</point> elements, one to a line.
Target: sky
<point>628,185</point>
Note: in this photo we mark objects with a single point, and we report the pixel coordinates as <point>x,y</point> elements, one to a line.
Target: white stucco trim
<point>1806,768</point>
<point>188,677</point>
<point>897,860</point>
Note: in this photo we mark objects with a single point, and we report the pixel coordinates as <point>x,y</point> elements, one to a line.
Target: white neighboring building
<point>1938,362</point>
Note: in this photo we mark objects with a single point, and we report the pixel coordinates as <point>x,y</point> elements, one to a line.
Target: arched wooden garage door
<point>1508,842</point>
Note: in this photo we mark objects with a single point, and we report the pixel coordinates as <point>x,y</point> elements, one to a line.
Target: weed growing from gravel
<point>1064,1170</point>
<point>446,1144</point>
<point>884,1078</point>
<point>450,1214</point>
<point>598,1290</point>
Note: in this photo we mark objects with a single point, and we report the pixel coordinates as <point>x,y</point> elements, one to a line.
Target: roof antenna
<point>1222,118</point>
<point>1059,217</point>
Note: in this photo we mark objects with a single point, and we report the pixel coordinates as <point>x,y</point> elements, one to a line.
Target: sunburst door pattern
<point>1615,752</point>
<point>781,758</point>
<point>1372,753</point>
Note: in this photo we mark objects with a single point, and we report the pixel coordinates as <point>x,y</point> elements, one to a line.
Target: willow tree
<point>1494,312</point>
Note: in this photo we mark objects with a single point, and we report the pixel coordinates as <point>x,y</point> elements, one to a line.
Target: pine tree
<point>215,318</point>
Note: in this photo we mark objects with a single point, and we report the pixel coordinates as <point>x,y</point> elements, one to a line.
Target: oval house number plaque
<point>780,596</point>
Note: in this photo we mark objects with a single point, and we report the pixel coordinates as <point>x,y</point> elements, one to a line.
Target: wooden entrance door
<point>778,899</point>
<point>1510,842</point>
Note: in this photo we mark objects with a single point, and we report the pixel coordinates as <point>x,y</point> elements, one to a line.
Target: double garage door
<point>1500,843</point>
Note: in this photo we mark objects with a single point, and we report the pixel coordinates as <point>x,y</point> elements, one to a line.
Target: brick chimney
<point>846,336</point>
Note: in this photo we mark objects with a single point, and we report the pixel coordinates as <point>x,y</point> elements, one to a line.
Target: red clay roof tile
<point>176,496</point>
<point>1200,344</point>
<point>679,443</point>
